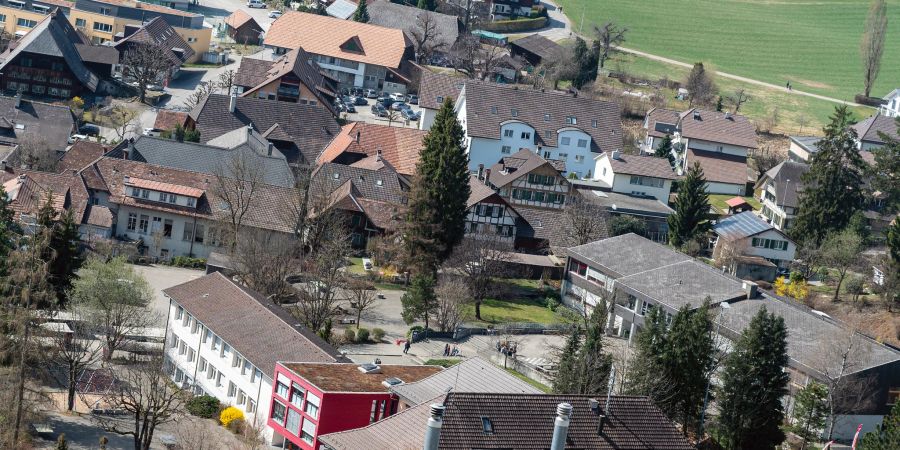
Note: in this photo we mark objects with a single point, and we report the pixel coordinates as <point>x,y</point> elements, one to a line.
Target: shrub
<point>188,262</point>
<point>236,426</point>
<point>552,304</point>
<point>506,26</point>
<point>362,335</point>
<point>230,414</point>
<point>349,335</point>
<point>205,406</point>
<point>377,334</point>
<point>415,328</point>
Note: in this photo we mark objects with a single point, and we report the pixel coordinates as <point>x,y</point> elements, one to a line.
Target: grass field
<point>515,310</point>
<point>812,43</point>
<point>718,201</point>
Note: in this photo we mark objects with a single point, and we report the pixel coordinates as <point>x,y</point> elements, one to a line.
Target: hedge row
<point>509,26</point>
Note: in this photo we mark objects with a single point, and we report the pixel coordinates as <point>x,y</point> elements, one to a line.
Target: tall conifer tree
<point>362,12</point>
<point>691,218</point>
<point>832,188</point>
<point>437,207</point>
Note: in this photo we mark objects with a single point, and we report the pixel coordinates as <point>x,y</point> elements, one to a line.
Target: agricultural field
<point>812,43</point>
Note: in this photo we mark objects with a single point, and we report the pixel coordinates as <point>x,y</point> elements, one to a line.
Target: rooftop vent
<point>370,368</point>
<point>392,381</point>
<point>696,115</point>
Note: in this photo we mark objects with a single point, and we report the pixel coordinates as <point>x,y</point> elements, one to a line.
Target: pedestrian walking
<point>406,347</point>
<point>447,350</point>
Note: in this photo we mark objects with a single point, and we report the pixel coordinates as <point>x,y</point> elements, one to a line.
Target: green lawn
<point>445,363</point>
<point>541,386</point>
<point>812,43</point>
<point>494,312</point>
<point>718,201</point>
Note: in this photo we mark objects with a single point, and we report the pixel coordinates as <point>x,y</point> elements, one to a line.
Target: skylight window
<point>487,426</point>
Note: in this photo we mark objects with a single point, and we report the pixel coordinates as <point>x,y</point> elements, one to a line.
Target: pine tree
<point>8,229</point>
<point>689,360</point>
<point>427,5</point>
<point>647,374</point>
<point>567,373</point>
<point>893,241</point>
<point>419,300</point>
<point>887,435</point>
<point>753,384</point>
<point>832,188</point>
<point>585,62</point>
<point>690,220</point>
<point>66,261</point>
<point>595,365</point>
<point>437,206</point>
<point>362,12</point>
<point>665,150</point>
<point>810,410</point>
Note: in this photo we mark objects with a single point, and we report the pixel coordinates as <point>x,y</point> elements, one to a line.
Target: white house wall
<point>622,184</point>
<point>725,188</point>
<point>174,244</point>
<point>772,254</point>
<point>427,119</point>
<point>719,147</point>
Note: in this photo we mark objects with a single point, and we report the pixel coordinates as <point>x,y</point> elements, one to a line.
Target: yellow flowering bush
<point>796,289</point>
<point>229,415</point>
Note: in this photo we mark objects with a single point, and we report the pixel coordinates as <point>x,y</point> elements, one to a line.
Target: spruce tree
<point>691,218</point>
<point>647,374</point>
<point>567,372</point>
<point>753,384</point>
<point>665,150</point>
<point>810,410</point>
<point>440,191</point>
<point>886,173</point>
<point>419,300</point>
<point>428,5</point>
<point>689,360</point>
<point>887,435</point>
<point>8,228</point>
<point>362,12</point>
<point>893,241</point>
<point>66,261</point>
<point>595,364</point>
<point>584,60</point>
<point>832,188</point>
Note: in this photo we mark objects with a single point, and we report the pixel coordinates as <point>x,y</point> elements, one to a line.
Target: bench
<point>348,321</point>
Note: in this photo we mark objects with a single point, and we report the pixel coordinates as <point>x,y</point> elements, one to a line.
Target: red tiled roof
<point>238,18</point>
<point>167,119</point>
<point>735,202</point>
<point>719,167</point>
<point>163,187</point>
<point>99,216</point>
<point>80,155</point>
<point>400,147</point>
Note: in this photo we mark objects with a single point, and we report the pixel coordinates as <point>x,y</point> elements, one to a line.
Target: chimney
<point>561,426</point>
<point>378,154</point>
<point>232,102</point>
<point>617,155</point>
<point>727,115</point>
<point>433,432</point>
<point>357,136</point>
<point>696,115</point>
<point>750,288</point>
<point>269,149</point>
<point>18,99</point>
<point>487,177</point>
<point>249,130</point>
<point>481,171</point>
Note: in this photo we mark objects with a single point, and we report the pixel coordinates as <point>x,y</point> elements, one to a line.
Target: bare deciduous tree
<point>469,57</point>
<point>75,352</point>
<point>451,297</point>
<point>198,434</point>
<point>226,81</point>
<point>235,185</point>
<point>480,261</point>
<point>838,357</point>
<point>802,121</point>
<point>146,64</point>
<point>360,294</point>
<point>701,86</point>
<point>583,222</point>
<point>764,158</point>
<point>738,99</point>
<point>36,154</point>
<point>841,251</point>
<point>263,260</point>
<point>144,392</point>
<point>204,88</point>
<point>318,295</point>
<point>607,38</point>
<point>729,252</point>
<point>426,37</point>
<point>872,45</point>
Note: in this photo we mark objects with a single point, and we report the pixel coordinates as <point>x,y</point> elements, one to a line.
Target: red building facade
<point>312,399</point>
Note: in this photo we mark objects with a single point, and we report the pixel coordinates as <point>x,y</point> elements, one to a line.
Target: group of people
<point>451,352</point>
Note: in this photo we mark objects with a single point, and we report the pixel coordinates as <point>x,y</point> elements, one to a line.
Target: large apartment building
<point>224,340</point>
<point>102,20</point>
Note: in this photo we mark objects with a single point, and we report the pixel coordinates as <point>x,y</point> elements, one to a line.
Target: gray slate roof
<point>303,130</point>
<point>809,335</point>
<point>404,430</point>
<point>741,225</point>
<point>788,183</point>
<point>472,375</point>
<point>540,46</point>
<point>626,203</point>
<point>532,106</point>
<point>809,143</point>
<point>54,36</point>
<point>330,176</point>
<point>406,18</point>
<point>683,283</point>
<point>214,156</point>
<point>871,129</point>
<point>627,254</point>
<point>51,123</point>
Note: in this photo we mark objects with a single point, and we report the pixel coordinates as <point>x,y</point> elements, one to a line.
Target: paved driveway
<point>162,277</point>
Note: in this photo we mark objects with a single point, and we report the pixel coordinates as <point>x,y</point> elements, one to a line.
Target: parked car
<point>408,114</point>
<point>413,99</point>
<point>398,106</point>
<point>348,107</point>
<point>359,100</point>
<point>379,110</point>
<point>89,129</point>
<point>371,93</point>
<point>77,137</point>
<point>152,131</point>
<point>385,101</point>
<point>274,14</point>
<point>255,4</point>
<point>398,97</point>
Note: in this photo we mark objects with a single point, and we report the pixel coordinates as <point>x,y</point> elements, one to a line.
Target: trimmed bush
<point>205,406</point>
<point>413,329</point>
<point>349,335</point>
<point>377,334</point>
<point>508,26</point>
<point>229,415</point>
<point>188,262</point>
<point>362,335</point>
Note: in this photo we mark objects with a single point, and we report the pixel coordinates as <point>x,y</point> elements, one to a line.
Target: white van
<point>255,4</point>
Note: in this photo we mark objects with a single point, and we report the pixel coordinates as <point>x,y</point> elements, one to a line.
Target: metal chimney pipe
<point>232,102</point>
<point>433,432</point>
<point>561,426</point>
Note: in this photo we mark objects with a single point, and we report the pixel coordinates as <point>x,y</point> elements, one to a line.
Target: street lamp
<point>725,307</point>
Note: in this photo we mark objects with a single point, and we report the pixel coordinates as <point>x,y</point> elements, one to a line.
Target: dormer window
<point>145,194</point>
<point>571,120</point>
<point>514,112</point>
<point>352,45</point>
<point>487,426</point>
<point>379,182</point>
<point>337,176</point>
<point>439,99</point>
<point>135,192</point>
<point>546,117</point>
<point>191,201</point>
<point>494,110</point>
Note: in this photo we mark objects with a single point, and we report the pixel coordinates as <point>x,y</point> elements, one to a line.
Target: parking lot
<point>364,114</point>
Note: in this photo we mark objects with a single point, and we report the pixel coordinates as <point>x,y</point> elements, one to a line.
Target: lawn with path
<point>812,43</point>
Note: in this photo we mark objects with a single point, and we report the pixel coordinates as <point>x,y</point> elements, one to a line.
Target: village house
<point>357,55</point>
<point>802,148</point>
<point>208,352</point>
<point>400,147</point>
<point>652,212</point>
<point>488,215</point>
<point>312,399</point>
<point>719,141</point>
<point>751,247</point>
<point>444,29</point>
<point>646,176</point>
<point>509,9</point>
<point>778,191</point>
<point>292,77</point>
<point>156,32</point>
<point>434,88</point>
<point>460,420</point>
<point>102,21</point>
<point>870,130</point>
<point>500,121</point>
<point>32,123</point>
<point>243,28</point>
<point>169,120</point>
<point>300,132</point>
<point>535,49</point>
<point>54,60</point>
<point>890,105</point>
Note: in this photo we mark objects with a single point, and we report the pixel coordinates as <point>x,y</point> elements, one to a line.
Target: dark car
<point>89,129</point>
<point>348,107</point>
<point>413,99</point>
<point>379,110</point>
<point>359,100</point>
<point>399,106</point>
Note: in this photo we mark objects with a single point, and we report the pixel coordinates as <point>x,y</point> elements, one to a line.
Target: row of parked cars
<point>384,102</point>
